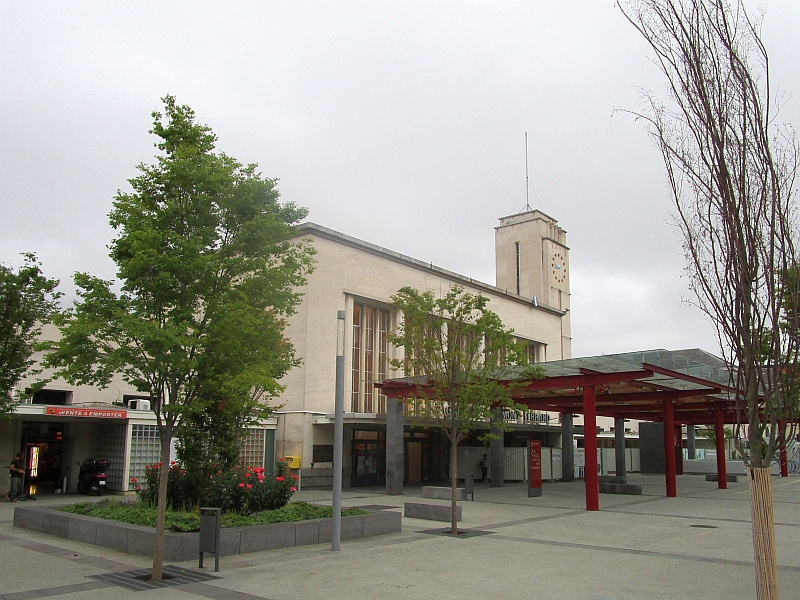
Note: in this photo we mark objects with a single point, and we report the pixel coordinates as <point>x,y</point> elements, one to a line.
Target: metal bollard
<point>210,525</point>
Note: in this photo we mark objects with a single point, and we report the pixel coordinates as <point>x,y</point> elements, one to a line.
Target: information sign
<point>535,478</point>
<point>101,413</point>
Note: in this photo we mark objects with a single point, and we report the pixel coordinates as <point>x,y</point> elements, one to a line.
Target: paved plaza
<point>695,546</point>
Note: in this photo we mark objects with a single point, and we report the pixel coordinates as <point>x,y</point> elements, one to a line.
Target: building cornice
<point>308,228</point>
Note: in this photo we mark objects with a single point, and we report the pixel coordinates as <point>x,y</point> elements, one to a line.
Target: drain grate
<point>462,533</point>
<point>137,580</point>
<point>705,526</point>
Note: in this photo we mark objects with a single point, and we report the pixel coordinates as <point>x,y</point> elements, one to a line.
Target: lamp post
<point>338,433</point>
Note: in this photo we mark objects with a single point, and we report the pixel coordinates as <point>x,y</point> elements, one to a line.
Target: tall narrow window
<point>355,404</point>
<point>369,356</point>
<point>383,356</point>
<point>516,247</point>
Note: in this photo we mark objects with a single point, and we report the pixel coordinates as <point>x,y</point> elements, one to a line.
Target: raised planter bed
<point>178,547</point>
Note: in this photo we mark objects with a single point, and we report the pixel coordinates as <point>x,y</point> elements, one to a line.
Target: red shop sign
<point>101,413</point>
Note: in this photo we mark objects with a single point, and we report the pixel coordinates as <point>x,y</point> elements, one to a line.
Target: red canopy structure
<point>689,387</point>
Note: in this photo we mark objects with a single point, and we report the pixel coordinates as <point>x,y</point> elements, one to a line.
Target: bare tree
<point>732,171</point>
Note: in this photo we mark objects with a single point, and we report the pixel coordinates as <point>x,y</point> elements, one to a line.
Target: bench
<point>629,489</point>
<point>443,493</point>
<point>431,512</point>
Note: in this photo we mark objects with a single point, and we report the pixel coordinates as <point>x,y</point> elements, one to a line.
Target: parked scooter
<point>93,476</point>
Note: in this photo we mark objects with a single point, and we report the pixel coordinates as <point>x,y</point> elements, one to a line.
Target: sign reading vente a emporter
<point>98,413</point>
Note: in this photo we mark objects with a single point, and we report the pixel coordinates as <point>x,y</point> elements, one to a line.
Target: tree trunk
<point>453,484</point>
<point>163,478</point>
<point>763,534</point>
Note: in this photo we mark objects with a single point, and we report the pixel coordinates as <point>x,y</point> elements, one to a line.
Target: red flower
<point>295,477</point>
<point>172,462</point>
<point>133,479</point>
<point>260,477</point>
<point>182,471</point>
<point>279,478</point>
<point>241,485</point>
<point>247,474</point>
<point>138,488</point>
<point>281,459</point>
<point>249,486</point>
<point>292,489</point>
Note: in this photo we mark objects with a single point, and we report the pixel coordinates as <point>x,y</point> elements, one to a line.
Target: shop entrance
<point>43,445</point>
<point>369,457</point>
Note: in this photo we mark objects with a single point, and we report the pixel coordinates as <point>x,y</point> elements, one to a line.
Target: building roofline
<point>336,236</point>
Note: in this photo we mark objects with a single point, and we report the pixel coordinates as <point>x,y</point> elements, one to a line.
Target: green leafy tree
<point>461,353</point>
<point>27,302</point>
<point>207,273</point>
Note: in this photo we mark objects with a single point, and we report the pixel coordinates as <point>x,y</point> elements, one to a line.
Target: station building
<point>531,295</point>
<point>63,425</point>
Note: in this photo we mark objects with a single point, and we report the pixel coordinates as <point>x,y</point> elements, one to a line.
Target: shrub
<point>182,490</point>
<point>247,491</point>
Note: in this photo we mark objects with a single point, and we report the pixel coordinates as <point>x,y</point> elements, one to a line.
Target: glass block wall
<point>111,446</point>
<point>145,450</point>
<point>252,454</point>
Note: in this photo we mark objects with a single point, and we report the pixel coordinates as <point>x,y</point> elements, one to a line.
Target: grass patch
<point>137,513</point>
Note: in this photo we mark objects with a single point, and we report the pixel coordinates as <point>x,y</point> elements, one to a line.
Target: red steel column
<point>784,457</point>
<point>669,449</point>
<point>590,448</point>
<point>719,435</point>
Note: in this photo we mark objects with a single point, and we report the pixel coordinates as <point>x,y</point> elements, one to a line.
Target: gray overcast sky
<point>399,123</point>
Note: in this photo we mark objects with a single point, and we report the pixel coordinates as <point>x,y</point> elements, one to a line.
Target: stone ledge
<point>178,547</point>
<point>431,512</point>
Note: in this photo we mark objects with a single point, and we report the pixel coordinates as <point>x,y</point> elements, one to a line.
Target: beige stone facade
<point>531,296</point>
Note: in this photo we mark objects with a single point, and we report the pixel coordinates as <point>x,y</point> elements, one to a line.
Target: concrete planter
<point>178,547</point>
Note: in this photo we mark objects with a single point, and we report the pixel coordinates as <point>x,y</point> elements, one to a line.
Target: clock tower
<point>532,261</point>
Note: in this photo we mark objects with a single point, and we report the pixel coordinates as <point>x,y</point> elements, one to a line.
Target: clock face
<point>559,267</point>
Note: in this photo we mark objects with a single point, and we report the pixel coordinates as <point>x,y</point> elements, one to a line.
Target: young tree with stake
<point>460,352</point>
<point>731,171</point>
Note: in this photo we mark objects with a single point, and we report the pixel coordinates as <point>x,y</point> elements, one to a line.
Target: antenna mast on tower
<point>527,184</point>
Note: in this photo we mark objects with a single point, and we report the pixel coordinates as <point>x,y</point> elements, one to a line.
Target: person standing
<point>17,471</point>
<point>484,468</point>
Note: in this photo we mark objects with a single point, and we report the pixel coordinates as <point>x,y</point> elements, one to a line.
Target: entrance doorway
<point>369,457</point>
<point>414,470</point>
<point>43,445</point>
<point>417,457</point>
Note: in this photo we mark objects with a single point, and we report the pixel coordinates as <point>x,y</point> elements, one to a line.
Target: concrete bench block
<point>111,534</point>
<point>267,537</point>
<point>82,529</point>
<point>352,528</point>
<point>715,477</point>
<point>141,540</point>
<point>611,479</point>
<point>382,523</point>
<point>307,532</point>
<point>629,489</point>
<point>442,493</point>
<point>230,540</point>
<point>181,546</point>
<point>28,517</point>
<point>431,512</point>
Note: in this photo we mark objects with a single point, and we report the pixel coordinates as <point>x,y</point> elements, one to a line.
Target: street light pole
<point>338,433</point>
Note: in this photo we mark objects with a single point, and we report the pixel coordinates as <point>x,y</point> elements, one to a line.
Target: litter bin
<point>210,524</point>
<point>469,487</point>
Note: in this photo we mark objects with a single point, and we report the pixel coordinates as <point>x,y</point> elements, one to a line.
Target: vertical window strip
<point>383,356</point>
<point>516,246</point>
<point>356,369</point>
<point>369,356</point>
